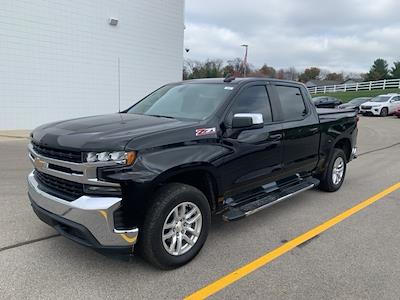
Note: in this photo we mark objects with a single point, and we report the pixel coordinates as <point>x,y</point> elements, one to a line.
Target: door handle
<point>313,130</point>
<point>274,137</point>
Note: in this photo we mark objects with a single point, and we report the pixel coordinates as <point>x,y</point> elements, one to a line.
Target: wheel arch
<point>345,145</point>
<point>202,176</point>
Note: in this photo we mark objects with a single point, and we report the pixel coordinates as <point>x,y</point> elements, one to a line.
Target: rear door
<point>300,124</point>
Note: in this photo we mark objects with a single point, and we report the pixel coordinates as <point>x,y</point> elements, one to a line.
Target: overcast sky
<point>340,35</point>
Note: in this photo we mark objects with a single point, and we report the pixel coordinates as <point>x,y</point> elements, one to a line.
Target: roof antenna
<point>119,87</point>
<point>229,78</point>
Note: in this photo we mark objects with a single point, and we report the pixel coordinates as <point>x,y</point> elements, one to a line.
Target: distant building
<point>315,83</point>
<point>352,80</point>
<point>59,59</point>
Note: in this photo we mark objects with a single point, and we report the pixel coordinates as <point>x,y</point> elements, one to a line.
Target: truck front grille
<point>58,187</point>
<point>72,156</point>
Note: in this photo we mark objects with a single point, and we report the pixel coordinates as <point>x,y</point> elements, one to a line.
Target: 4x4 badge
<point>205,131</point>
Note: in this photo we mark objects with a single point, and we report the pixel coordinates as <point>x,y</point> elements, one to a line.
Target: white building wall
<point>58,58</point>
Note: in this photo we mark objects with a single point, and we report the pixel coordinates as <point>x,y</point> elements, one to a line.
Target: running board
<point>249,207</point>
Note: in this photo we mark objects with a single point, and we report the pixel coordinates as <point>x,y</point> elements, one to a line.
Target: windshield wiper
<point>161,116</point>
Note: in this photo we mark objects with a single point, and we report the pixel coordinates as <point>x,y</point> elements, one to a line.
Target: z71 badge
<point>205,131</point>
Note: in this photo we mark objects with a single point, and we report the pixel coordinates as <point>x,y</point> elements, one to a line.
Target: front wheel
<point>176,226</point>
<point>384,112</point>
<point>333,176</point>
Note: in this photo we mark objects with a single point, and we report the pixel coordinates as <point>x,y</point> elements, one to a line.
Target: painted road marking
<point>223,282</point>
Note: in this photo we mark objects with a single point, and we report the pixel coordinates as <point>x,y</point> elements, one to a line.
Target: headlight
<point>121,157</point>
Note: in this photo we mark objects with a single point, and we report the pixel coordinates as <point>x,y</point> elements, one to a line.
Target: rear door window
<point>292,102</point>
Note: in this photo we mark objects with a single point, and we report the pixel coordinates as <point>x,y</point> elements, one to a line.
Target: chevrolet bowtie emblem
<point>39,163</point>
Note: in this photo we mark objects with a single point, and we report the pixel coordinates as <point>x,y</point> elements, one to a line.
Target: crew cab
<point>147,179</point>
<point>381,105</point>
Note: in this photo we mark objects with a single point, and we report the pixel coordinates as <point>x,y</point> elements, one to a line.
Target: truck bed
<point>330,114</point>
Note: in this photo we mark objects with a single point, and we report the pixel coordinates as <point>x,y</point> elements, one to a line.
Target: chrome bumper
<point>96,214</point>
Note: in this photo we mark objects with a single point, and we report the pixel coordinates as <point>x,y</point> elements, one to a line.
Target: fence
<point>357,86</point>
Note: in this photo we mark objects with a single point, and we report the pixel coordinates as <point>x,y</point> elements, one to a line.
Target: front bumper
<point>374,111</point>
<point>87,220</point>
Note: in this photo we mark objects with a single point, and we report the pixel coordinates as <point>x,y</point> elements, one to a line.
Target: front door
<point>256,156</point>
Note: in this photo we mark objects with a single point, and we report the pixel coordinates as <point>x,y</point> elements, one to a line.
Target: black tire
<point>150,242</point>
<point>326,180</point>
<point>384,112</point>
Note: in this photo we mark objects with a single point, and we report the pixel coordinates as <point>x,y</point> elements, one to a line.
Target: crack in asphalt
<point>28,242</point>
<point>379,149</point>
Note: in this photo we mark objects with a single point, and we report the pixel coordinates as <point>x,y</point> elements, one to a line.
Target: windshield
<point>380,99</point>
<point>358,100</point>
<point>187,101</point>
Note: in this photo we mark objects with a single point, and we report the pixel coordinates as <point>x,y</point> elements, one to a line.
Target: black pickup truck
<point>152,175</point>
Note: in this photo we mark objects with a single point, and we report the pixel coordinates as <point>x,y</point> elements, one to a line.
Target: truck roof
<point>238,80</point>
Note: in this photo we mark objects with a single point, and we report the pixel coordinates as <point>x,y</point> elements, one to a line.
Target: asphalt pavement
<point>358,258</point>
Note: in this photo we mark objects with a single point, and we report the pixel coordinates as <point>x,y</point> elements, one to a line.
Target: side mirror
<point>243,120</point>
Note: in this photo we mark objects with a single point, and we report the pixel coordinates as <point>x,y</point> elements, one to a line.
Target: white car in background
<point>381,105</point>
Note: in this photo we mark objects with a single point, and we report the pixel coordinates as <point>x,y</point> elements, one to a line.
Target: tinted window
<point>253,99</point>
<point>191,101</point>
<point>380,99</point>
<point>292,103</point>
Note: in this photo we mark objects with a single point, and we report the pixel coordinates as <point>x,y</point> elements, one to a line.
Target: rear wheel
<point>384,112</point>
<point>333,176</point>
<point>176,226</point>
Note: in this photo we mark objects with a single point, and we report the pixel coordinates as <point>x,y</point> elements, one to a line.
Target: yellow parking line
<point>223,282</point>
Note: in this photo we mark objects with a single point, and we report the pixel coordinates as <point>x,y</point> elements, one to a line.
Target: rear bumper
<point>87,220</point>
<point>353,153</point>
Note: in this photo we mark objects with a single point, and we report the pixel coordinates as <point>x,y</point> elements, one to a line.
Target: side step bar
<point>250,207</point>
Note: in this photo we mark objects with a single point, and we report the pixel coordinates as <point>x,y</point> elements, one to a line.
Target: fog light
<point>106,190</point>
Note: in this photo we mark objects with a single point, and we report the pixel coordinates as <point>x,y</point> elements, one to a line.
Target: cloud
<point>338,35</point>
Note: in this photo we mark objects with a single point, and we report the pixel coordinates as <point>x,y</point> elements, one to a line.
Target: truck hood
<point>103,132</point>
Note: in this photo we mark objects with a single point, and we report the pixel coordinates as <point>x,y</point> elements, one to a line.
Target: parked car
<point>381,105</point>
<point>397,112</point>
<point>326,102</point>
<point>153,174</point>
<point>355,103</point>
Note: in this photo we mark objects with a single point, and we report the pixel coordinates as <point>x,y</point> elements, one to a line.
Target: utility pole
<point>245,59</point>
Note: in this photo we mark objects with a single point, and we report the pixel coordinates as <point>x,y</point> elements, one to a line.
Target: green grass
<point>347,96</point>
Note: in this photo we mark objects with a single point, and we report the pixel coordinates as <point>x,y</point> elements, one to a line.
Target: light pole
<point>245,59</point>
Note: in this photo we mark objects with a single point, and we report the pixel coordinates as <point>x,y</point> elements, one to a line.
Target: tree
<point>280,74</point>
<point>335,77</point>
<point>208,69</point>
<point>237,66</point>
<point>395,70</point>
<point>309,74</point>
<point>378,71</point>
<point>267,71</point>
<point>291,74</point>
